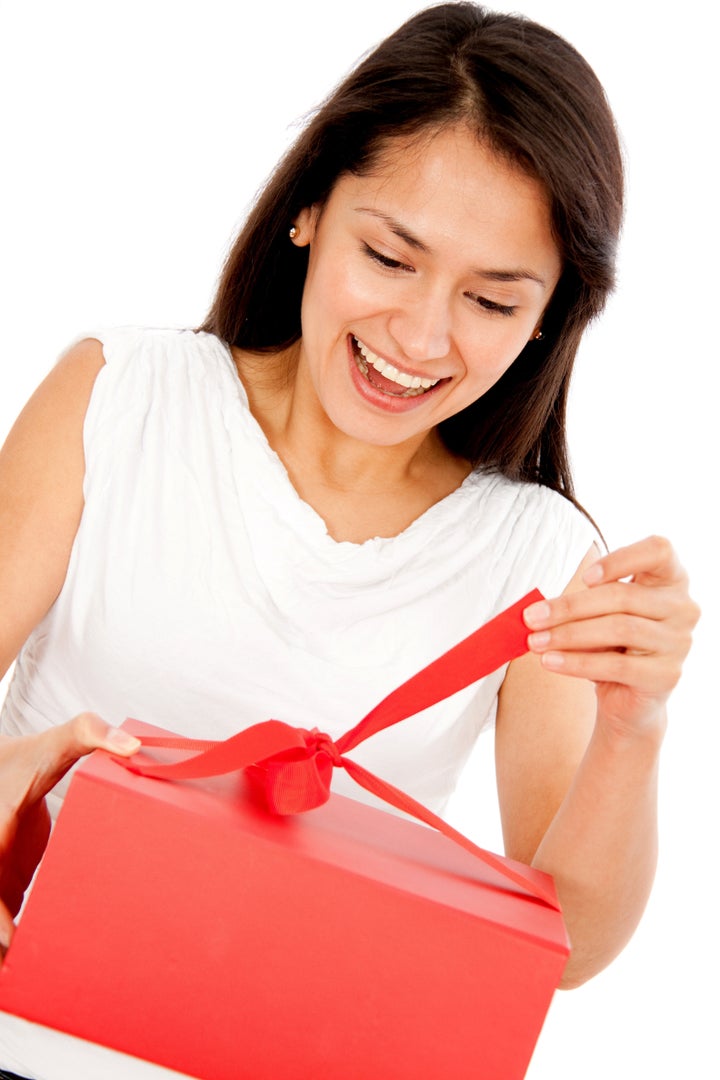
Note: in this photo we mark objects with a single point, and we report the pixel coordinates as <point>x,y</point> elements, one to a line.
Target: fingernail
<point>121,742</point>
<point>536,614</point>
<point>539,641</point>
<point>552,660</point>
<point>593,574</point>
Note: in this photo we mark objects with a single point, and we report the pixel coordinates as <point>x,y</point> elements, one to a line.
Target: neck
<point>298,429</point>
<point>359,489</point>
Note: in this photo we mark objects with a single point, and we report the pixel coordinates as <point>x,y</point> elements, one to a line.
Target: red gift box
<point>183,923</point>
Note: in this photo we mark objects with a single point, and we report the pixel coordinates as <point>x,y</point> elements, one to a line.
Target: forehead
<point>450,188</point>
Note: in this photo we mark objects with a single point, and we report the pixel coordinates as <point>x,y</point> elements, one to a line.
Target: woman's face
<point>426,278</point>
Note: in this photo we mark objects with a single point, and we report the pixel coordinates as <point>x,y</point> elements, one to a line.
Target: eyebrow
<point>519,274</point>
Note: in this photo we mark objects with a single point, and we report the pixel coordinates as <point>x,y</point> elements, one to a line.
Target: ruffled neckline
<point>442,515</point>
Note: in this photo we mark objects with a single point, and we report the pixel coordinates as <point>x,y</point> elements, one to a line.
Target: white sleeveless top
<point>204,595</point>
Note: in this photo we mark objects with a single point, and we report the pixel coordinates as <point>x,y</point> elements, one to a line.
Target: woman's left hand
<point>629,632</point>
<point>30,766</point>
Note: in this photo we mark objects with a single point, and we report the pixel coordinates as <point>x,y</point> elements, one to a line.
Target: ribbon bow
<point>295,766</point>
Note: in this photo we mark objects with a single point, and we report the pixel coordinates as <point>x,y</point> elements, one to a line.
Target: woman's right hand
<point>30,766</point>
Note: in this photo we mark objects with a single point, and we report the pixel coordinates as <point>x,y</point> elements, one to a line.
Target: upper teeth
<point>389,371</point>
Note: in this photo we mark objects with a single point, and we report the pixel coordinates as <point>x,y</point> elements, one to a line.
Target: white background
<point>132,139</point>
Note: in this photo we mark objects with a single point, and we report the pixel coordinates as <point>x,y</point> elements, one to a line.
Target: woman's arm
<point>577,757</point>
<point>41,499</point>
<point>42,466</point>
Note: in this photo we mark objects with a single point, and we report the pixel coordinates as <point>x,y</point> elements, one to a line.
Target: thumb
<point>60,747</point>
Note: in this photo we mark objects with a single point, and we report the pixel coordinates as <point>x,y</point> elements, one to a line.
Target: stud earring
<point>293,232</point>
<point>538,335</point>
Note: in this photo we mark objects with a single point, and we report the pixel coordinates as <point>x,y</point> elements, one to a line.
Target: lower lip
<point>387,402</point>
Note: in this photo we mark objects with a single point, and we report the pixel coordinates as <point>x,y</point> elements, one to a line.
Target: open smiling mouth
<point>386,377</point>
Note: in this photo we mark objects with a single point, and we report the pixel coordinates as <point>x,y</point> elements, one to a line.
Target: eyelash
<point>492,307</point>
<point>389,264</point>
<point>394,264</point>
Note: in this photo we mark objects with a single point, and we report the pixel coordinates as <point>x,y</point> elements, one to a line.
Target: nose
<point>422,327</point>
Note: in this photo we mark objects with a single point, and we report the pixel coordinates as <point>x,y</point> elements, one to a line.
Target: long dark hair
<point>533,99</point>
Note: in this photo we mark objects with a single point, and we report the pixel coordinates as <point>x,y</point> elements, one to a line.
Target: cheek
<point>494,350</point>
<point>353,296</point>
<point>339,284</point>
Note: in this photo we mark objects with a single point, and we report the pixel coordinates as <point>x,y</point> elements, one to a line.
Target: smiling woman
<point>541,124</point>
<point>414,300</point>
<point>413,307</point>
<point>356,460</point>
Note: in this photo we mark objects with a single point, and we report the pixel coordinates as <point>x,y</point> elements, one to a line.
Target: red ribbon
<point>296,765</point>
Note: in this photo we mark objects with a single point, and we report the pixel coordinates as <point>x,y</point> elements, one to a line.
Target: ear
<point>304,225</point>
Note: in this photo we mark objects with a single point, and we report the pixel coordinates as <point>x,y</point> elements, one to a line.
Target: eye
<point>491,305</point>
<point>384,260</point>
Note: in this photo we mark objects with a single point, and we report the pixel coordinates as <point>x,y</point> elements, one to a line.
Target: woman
<point>368,432</point>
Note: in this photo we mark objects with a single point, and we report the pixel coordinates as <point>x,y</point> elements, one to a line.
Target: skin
<point>582,715</point>
<point>430,314</point>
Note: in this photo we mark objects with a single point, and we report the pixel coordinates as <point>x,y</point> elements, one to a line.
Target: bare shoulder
<point>62,396</point>
<point>70,382</point>
<point>42,468</point>
<point>84,354</point>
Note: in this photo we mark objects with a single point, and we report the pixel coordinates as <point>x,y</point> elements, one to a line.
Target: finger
<point>645,675</point>
<point>652,561</point>
<point>617,596</point>
<point>606,632</point>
